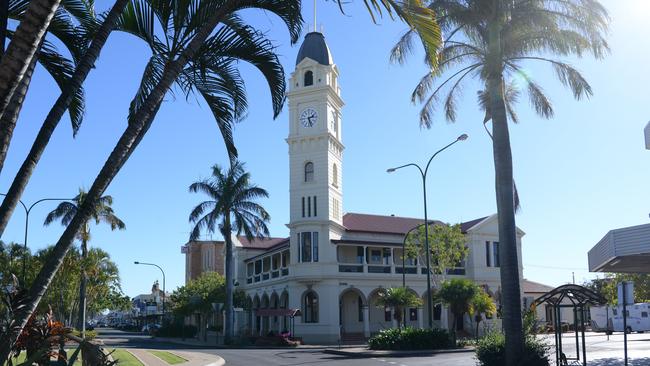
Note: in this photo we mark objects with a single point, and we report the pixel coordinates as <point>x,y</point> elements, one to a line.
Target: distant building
<point>333,264</point>
<point>149,307</point>
<point>203,256</point>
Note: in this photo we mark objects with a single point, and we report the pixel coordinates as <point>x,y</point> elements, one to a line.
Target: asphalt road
<point>272,357</point>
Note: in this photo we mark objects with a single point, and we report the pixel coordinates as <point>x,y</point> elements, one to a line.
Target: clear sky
<point>579,175</point>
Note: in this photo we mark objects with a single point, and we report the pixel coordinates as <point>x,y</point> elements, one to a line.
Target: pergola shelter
<point>625,250</point>
<point>578,298</point>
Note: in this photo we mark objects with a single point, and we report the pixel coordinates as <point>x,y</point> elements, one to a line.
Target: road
<point>113,338</point>
<point>600,352</point>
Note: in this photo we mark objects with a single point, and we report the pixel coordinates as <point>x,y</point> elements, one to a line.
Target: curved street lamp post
<point>28,210</point>
<point>423,173</point>
<point>164,293</point>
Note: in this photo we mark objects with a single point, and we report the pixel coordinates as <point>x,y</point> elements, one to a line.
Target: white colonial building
<point>333,264</point>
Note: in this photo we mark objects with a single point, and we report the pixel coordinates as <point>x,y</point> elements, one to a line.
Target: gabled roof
<point>391,224</point>
<point>531,287</point>
<point>261,243</point>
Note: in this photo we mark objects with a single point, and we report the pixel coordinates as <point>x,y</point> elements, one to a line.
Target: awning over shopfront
<point>625,250</point>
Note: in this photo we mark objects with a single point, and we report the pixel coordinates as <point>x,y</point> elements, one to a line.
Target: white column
<point>366,321</point>
<point>444,319</point>
<point>420,318</point>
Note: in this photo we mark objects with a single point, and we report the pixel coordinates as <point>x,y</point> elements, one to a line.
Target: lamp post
<point>163,273</point>
<point>423,173</point>
<point>28,210</point>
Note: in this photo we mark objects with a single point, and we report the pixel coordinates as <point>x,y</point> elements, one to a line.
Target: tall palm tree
<point>63,29</point>
<point>68,100</point>
<point>491,40</point>
<point>23,47</point>
<point>102,212</point>
<point>202,30</point>
<point>231,208</point>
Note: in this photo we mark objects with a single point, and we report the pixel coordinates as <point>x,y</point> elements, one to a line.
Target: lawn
<point>125,358</point>
<point>18,360</point>
<point>168,357</point>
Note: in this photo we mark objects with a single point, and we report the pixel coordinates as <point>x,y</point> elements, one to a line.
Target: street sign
<point>629,292</point>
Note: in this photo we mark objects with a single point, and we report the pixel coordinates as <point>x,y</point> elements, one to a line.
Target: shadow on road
<point>619,362</point>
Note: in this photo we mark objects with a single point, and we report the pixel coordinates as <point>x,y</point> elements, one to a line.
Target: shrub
<point>90,334</point>
<point>411,339</point>
<point>176,331</point>
<point>490,351</point>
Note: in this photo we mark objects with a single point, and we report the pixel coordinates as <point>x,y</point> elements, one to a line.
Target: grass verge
<point>168,357</point>
<point>125,358</point>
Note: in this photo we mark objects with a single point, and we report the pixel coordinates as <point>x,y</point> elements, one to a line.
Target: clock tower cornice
<point>332,94</point>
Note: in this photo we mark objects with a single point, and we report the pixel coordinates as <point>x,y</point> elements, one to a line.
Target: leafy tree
<point>71,99</point>
<point>480,304</point>
<point>608,286</point>
<point>102,212</point>
<point>398,298</point>
<point>490,41</point>
<point>458,294</point>
<point>232,208</point>
<point>447,244</point>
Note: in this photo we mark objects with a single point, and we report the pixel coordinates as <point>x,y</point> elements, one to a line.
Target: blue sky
<point>579,175</point>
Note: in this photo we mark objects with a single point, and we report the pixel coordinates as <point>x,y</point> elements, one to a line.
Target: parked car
<point>150,328</point>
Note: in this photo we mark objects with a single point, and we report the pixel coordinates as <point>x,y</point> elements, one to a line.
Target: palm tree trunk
<point>511,296</point>
<point>138,125</point>
<point>82,285</point>
<point>23,47</point>
<point>54,116</point>
<point>9,119</point>
<point>230,280</point>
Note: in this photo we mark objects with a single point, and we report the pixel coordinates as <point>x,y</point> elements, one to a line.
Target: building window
<point>437,311</point>
<point>387,314</point>
<point>335,176</point>
<point>488,259</point>
<point>496,259</point>
<point>336,209</point>
<point>309,78</point>
<point>303,207</point>
<point>309,172</point>
<point>359,254</point>
<point>309,206</point>
<point>310,307</point>
<point>360,309</point>
<point>305,245</point>
<point>413,314</point>
<point>314,245</point>
<point>315,207</point>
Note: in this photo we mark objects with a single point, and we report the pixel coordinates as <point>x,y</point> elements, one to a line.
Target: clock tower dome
<point>315,154</point>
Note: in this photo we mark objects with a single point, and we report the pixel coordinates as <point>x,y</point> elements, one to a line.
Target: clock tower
<point>315,155</point>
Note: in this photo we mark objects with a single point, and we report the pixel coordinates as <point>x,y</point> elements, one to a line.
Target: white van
<point>610,318</point>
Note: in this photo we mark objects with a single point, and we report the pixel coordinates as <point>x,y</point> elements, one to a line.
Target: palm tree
<point>399,299</point>
<point>102,212</point>
<point>232,208</point>
<point>490,40</point>
<point>59,67</point>
<point>457,294</point>
<point>70,99</point>
<point>481,303</point>
<point>209,31</point>
<point>23,47</point>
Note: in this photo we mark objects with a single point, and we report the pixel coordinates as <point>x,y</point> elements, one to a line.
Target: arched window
<point>309,78</point>
<point>309,172</point>
<point>335,176</point>
<point>310,307</point>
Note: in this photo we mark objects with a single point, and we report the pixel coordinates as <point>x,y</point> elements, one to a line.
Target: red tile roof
<point>390,224</point>
<point>535,287</point>
<point>261,243</point>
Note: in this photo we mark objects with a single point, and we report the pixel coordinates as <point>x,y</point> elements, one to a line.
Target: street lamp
<point>423,173</point>
<point>163,273</point>
<point>27,212</point>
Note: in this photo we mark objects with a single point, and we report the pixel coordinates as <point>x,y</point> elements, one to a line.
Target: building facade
<point>332,265</point>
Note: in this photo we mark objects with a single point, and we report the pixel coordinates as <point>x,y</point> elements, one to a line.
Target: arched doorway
<point>275,304</point>
<point>265,319</point>
<point>379,317</point>
<point>257,326</point>
<point>284,304</point>
<point>352,313</point>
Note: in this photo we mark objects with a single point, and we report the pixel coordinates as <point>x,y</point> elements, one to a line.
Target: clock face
<point>308,117</point>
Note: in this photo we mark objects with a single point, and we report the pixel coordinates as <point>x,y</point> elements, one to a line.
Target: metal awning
<point>625,250</point>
